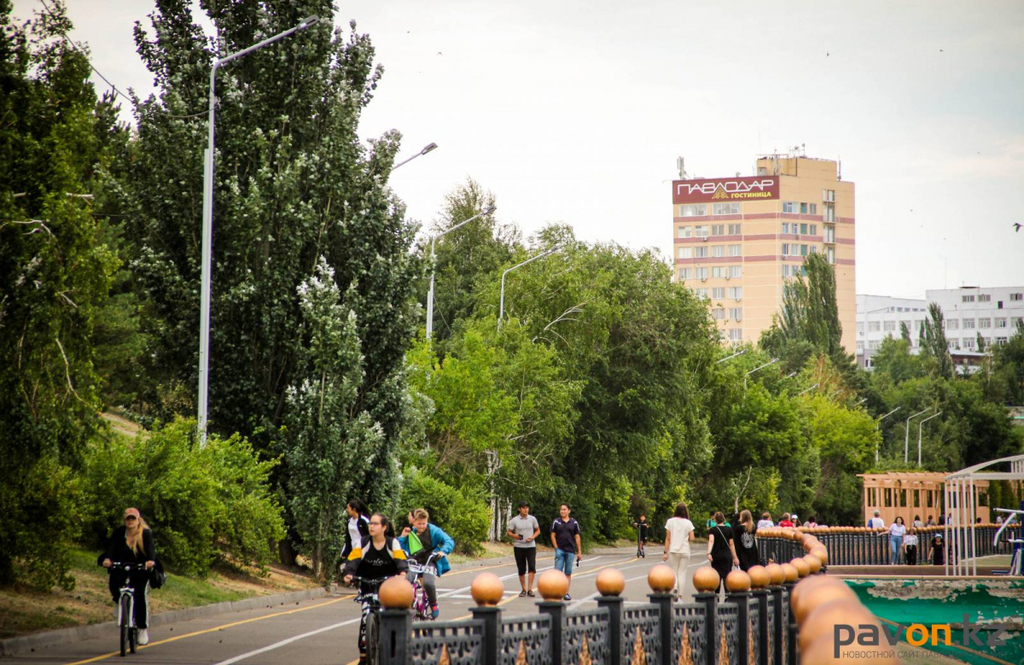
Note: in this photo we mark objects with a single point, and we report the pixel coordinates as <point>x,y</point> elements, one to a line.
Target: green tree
<point>55,272</point>
<point>933,342</point>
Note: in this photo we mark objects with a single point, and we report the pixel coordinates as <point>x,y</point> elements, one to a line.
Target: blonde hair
<point>421,514</point>
<point>747,520</point>
<point>135,543</point>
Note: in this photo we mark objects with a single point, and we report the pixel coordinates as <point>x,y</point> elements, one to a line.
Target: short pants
<point>563,561</point>
<point>526,557</point>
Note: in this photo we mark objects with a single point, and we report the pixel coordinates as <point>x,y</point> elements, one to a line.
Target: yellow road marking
<point>214,629</point>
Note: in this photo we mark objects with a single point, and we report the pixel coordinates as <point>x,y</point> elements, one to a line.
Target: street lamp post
<point>807,390</point>
<point>427,148</point>
<point>430,292</point>
<point>906,438</point>
<point>501,306</point>
<point>757,369</point>
<point>920,426</point>
<point>208,164</point>
<point>878,425</point>
<point>738,353</point>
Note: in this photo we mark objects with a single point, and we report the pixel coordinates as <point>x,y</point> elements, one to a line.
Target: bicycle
<point>126,606</point>
<point>369,620</point>
<point>421,602</point>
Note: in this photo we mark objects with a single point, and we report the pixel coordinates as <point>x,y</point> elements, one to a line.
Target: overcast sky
<point>576,111</point>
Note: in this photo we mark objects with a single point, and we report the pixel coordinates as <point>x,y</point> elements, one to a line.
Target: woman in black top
<point>721,550</point>
<point>132,543</point>
<point>745,542</point>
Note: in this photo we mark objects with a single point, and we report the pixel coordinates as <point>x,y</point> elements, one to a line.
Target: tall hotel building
<point>737,240</point>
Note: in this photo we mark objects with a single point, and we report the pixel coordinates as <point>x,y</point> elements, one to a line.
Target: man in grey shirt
<point>524,529</point>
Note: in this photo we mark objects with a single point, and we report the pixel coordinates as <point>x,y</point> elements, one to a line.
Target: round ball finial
<point>552,584</point>
<point>737,580</point>
<point>792,574</point>
<point>821,553</point>
<point>706,579</point>
<point>396,593</point>
<point>610,582</point>
<point>487,589</point>
<point>759,577</point>
<point>815,591</point>
<point>803,569</point>
<point>776,574</point>
<point>814,562</point>
<point>661,579</point>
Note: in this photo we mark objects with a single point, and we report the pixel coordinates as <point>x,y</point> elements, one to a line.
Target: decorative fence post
<point>553,585</point>
<point>706,581</point>
<point>777,576</point>
<point>792,575</point>
<point>396,596</point>
<point>610,584</point>
<point>662,580</point>
<point>737,584</point>
<point>759,580</point>
<point>487,591</point>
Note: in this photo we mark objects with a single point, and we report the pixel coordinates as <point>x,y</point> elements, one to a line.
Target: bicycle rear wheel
<point>373,639</point>
<point>125,621</point>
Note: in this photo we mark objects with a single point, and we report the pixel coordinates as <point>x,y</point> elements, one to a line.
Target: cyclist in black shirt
<point>132,543</point>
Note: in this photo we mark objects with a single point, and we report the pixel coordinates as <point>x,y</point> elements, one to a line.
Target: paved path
<point>325,630</point>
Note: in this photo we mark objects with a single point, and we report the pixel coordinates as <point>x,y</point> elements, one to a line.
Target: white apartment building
<point>879,317</point>
<point>968,311</point>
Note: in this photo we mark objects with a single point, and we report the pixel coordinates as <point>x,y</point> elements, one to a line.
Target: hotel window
<point>814,229</point>
<point>718,251</point>
<point>725,209</point>
<point>984,297</point>
<point>966,298</point>
<point>701,293</point>
<point>785,227</point>
<point>717,271</point>
<point>1016,296</point>
<point>785,249</point>
<point>874,326</point>
<point>788,206</point>
<point>1000,341</point>
<point>701,273</point>
<point>684,273</point>
<point>873,344</point>
<point>735,334</point>
<point>718,293</point>
<point>718,313</point>
<point>735,229</point>
<point>828,195</point>
<point>700,231</point>
<point>860,346</point>
<point>814,209</point>
<point>700,252</point>
<point>718,229</point>
<point>953,343</point>
<point>685,232</point>
<point>814,249</point>
<point>984,323</point>
<point>831,255</point>
<point>803,228</point>
<point>787,271</point>
<point>952,324</point>
<point>686,252</point>
<point>860,328</point>
<point>1001,323</point>
<point>830,213</point>
<point>803,208</point>
<point>695,210</point>
<point>735,250</point>
<point>735,271</point>
<point>735,292</point>
<point>968,324</point>
<point>889,326</point>
<point>803,250</point>
<point>830,233</point>
<point>736,313</point>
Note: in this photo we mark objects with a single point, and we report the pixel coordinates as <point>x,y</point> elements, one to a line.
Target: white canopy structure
<point>961,501</point>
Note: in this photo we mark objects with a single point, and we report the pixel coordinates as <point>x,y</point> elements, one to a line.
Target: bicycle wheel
<point>133,639</point>
<point>373,639</point>
<point>125,621</point>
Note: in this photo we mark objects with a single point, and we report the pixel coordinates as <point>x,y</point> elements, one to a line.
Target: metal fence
<point>748,627</point>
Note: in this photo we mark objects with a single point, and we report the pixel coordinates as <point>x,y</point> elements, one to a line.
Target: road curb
<point>51,638</point>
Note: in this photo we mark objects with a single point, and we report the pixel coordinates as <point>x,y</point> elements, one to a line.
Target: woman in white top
<point>896,531</point>
<point>910,547</point>
<point>678,536</point>
<point>765,522</point>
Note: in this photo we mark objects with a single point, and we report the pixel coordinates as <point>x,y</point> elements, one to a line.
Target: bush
<point>202,504</point>
<point>463,517</point>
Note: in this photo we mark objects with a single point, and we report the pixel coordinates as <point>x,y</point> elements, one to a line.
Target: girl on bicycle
<point>132,543</point>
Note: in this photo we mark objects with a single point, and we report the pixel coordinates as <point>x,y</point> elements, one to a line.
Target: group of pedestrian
<point>904,541</point>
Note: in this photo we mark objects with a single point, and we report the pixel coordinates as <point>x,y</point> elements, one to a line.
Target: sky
<point>575,112</point>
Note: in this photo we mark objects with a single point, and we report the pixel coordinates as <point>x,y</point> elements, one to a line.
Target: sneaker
<point>566,597</point>
<point>434,612</point>
<point>143,637</point>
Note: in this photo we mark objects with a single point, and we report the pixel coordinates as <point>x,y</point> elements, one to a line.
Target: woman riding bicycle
<point>377,557</point>
<point>132,543</point>
<point>419,543</point>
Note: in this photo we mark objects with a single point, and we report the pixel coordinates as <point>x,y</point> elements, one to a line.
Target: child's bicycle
<point>126,606</point>
<point>421,603</point>
<point>369,622</point>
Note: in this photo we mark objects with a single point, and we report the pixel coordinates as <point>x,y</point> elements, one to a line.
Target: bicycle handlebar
<point>126,566</point>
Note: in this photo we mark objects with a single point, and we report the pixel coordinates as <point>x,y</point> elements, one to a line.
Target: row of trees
<point>601,386</point>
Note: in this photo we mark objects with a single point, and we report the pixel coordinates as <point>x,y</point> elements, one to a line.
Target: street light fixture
<point>756,369</point>
<point>920,426</point>
<point>738,353</point>
<point>204,298</point>
<point>906,438</point>
<point>878,425</point>
<point>501,306</point>
<point>427,148</point>
<point>430,292</point>
<point>809,389</point>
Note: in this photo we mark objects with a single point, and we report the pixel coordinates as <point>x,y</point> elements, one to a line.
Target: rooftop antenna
<point>840,176</point>
<point>680,164</point>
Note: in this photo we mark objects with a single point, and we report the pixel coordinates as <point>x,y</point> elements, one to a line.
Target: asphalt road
<point>325,630</point>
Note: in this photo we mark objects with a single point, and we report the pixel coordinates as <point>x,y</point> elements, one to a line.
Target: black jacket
<point>118,550</point>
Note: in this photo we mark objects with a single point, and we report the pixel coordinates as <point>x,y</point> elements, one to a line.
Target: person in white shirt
<point>896,532</point>
<point>765,522</point>
<point>678,536</point>
<point>910,546</point>
<point>876,522</point>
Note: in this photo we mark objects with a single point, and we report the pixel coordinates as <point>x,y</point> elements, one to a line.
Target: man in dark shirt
<point>565,538</point>
<point>641,537</point>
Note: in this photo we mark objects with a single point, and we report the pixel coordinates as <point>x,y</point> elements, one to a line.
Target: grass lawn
<point>25,610</point>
